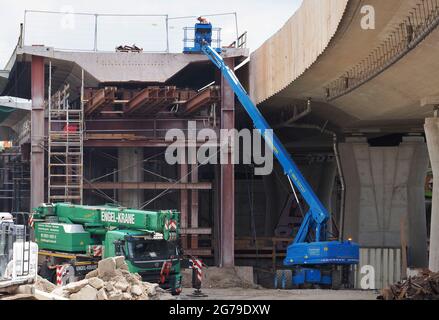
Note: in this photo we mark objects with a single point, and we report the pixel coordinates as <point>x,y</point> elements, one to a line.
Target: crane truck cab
<point>78,236</point>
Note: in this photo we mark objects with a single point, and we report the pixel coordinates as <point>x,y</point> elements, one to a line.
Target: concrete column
<point>384,185</point>
<point>432,134</point>
<point>184,204</point>
<point>227,256</point>
<point>130,163</point>
<point>37,132</point>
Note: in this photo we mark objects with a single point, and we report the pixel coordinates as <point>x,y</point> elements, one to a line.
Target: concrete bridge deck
<point>323,44</point>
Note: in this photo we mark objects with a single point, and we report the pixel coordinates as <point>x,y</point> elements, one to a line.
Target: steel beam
<point>227,177</point>
<point>37,131</point>
<point>194,201</point>
<point>184,202</point>
<point>100,99</point>
<point>147,186</point>
<point>202,99</point>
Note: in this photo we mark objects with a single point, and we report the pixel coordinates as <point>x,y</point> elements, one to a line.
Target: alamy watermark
<point>368,20</point>
<point>206,146</point>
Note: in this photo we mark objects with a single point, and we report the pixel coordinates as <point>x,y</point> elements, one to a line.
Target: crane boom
<point>318,215</point>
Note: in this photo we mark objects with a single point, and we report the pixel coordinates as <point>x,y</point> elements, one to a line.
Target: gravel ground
<point>265,294</point>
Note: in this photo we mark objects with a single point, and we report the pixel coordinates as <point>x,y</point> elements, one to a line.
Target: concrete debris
<point>92,274</point>
<point>107,268</point>
<point>96,283</point>
<point>86,293</point>
<point>102,294</point>
<point>44,285</point>
<point>112,281</point>
<point>422,287</point>
<point>136,290</point>
<point>76,286</point>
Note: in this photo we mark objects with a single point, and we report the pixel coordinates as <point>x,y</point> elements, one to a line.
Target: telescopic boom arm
<point>317,216</point>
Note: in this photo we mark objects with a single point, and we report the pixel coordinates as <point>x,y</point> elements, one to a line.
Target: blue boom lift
<point>312,259</point>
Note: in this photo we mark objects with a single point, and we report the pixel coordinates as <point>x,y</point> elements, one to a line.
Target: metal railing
<point>420,22</point>
<point>189,40</point>
<point>92,32</point>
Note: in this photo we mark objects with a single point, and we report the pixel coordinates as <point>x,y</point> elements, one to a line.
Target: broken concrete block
<point>44,285</point>
<point>107,268</point>
<point>123,267</point>
<point>92,274</point>
<point>61,292</point>
<point>76,286</point>
<point>119,261</point>
<point>102,295</point>
<point>115,296</point>
<point>126,296</point>
<point>122,285</point>
<point>151,289</point>
<point>136,290</point>
<point>96,283</point>
<point>86,293</point>
<point>108,286</point>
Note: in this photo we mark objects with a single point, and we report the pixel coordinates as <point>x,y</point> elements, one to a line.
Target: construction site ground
<point>269,294</point>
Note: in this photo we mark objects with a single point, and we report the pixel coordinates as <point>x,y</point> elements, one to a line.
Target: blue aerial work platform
<point>203,32</point>
<point>312,259</point>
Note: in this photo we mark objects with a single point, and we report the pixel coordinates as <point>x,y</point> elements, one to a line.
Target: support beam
<point>227,258</point>
<point>202,99</point>
<point>148,186</point>
<point>100,99</point>
<point>37,132</point>
<point>432,134</point>
<point>184,203</point>
<point>194,203</point>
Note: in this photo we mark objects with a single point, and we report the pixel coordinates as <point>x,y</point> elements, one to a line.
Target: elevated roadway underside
<point>360,80</point>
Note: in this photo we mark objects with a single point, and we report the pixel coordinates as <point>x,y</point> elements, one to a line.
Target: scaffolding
<point>14,181</point>
<point>65,149</point>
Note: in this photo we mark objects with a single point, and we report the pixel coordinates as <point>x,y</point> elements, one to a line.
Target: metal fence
<point>386,263</point>
<point>71,31</point>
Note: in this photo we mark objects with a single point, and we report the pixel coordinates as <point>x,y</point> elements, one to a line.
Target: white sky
<point>261,18</point>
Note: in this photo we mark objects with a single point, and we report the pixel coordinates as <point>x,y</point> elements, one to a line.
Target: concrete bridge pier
<point>384,189</point>
<point>432,134</point>
<point>130,163</point>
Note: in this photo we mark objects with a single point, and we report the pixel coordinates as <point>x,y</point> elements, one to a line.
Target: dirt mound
<point>222,278</point>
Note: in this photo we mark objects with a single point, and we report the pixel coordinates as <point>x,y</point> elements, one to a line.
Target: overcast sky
<point>259,17</point>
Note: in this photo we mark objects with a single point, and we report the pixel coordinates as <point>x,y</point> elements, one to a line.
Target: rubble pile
<point>111,281</point>
<point>422,287</point>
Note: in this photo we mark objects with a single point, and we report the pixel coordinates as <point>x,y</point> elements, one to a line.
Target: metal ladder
<point>65,149</point>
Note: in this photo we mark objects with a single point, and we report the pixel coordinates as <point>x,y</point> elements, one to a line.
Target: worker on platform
<point>47,269</point>
<point>203,20</point>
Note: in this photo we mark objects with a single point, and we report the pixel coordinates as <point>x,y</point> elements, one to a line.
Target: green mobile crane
<point>79,236</point>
